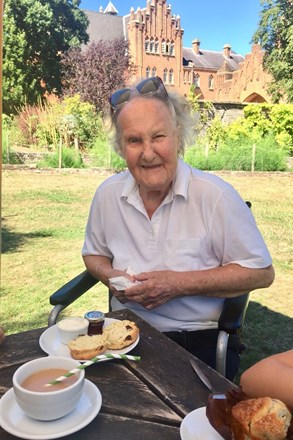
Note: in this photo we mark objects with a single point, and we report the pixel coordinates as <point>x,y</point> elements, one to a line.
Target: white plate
<point>195,426</point>
<point>50,342</point>
<point>14,421</point>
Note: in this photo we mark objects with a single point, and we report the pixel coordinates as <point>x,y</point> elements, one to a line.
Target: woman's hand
<point>155,288</point>
<point>119,294</point>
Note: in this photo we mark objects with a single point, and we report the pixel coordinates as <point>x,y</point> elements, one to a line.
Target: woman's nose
<point>148,148</point>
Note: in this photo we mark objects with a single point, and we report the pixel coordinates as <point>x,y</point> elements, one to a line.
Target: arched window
<point>147,72</point>
<point>163,47</point>
<point>147,45</point>
<point>171,76</point>
<point>152,45</point>
<point>154,71</point>
<point>165,75</point>
<point>167,51</point>
<point>172,49</point>
<point>157,46</point>
<point>196,81</point>
<point>211,82</point>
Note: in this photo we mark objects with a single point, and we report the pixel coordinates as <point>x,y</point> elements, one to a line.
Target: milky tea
<point>38,380</point>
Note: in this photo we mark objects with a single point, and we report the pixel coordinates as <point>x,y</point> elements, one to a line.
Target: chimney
<point>195,46</point>
<point>227,50</point>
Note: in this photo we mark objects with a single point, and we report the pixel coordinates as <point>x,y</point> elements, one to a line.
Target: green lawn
<point>43,220</point>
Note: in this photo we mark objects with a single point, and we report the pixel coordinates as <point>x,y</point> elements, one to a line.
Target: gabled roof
<point>104,26</point>
<point>110,9</point>
<point>208,59</point>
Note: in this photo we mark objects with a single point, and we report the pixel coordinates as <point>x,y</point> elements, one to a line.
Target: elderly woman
<point>187,237</point>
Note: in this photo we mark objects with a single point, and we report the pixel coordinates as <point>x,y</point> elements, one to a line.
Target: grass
<point>44,215</point>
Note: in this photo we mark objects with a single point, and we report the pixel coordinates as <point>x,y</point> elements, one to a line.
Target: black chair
<point>230,322</point>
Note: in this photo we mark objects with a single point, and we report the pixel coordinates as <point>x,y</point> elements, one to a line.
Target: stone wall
<point>229,111</point>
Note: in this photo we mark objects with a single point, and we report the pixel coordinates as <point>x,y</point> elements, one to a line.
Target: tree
<point>36,33</point>
<point>275,34</point>
<point>96,71</point>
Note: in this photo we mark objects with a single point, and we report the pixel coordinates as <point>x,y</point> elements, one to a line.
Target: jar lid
<point>94,316</point>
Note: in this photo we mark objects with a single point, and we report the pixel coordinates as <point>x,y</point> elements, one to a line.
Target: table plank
<point>111,427</point>
<point>125,394</point>
<point>21,347</point>
<point>166,369</point>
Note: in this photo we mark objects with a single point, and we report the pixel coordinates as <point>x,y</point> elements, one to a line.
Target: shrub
<point>238,155</point>
<point>71,121</point>
<point>103,156</point>
<point>70,159</point>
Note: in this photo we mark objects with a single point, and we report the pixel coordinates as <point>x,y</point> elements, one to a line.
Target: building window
<point>163,47</point>
<point>171,76</point>
<point>147,72</point>
<point>154,71</point>
<point>211,82</point>
<point>196,81</point>
<point>156,46</point>
<point>172,49</point>
<point>147,45</point>
<point>167,51</point>
<point>165,75</point>
<point>152,45</point>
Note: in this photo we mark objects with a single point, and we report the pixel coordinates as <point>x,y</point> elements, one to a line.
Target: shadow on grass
<point>12,241</point>
<point>265,332</point>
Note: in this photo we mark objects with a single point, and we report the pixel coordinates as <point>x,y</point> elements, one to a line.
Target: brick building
<point>155,39</point>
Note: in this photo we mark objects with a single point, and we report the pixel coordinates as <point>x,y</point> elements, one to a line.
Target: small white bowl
<point>72,327</point>
<point>50,405</point>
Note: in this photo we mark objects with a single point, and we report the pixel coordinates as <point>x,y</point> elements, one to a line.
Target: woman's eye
<point>158,137</point>
<point>134,140</point>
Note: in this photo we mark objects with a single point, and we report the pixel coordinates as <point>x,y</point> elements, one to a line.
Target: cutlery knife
<point>202,375</point>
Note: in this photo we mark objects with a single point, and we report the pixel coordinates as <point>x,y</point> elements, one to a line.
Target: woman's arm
<point>231,280</point>
<point>272,377</point>
<point>101,268</point>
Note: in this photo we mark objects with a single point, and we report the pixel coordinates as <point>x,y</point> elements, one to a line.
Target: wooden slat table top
<point>141,400</point>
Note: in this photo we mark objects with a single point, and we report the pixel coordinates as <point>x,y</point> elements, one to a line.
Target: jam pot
<point>96,321</point>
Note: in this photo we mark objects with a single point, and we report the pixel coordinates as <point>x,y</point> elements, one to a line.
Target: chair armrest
<point>72,290</point>
<point>68,293</point>
<point>233,314</point>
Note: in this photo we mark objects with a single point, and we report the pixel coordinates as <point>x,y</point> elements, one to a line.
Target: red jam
<point>96,322</point>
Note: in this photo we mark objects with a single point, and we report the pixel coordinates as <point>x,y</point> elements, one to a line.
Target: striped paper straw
<point>90,362</point>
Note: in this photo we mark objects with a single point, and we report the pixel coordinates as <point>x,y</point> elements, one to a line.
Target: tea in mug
<point>38,380</point>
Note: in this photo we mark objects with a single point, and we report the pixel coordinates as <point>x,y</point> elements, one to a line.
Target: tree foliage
<point>275,34</point>
<point>36,33</point>
<point>97,70</point>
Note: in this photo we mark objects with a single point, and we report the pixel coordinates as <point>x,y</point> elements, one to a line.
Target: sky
<point>214,22</point>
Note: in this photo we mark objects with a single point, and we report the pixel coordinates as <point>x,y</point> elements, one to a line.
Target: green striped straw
<point>90,362</point>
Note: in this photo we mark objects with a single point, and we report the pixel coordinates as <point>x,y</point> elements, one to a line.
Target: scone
<point>260,419</point>
<point>86,347</point>
<point>120,334</point>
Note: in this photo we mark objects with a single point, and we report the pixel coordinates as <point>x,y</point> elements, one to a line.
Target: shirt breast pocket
<point>182,254</point>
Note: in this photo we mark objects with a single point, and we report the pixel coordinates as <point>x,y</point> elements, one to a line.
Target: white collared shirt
<point>202,223</point>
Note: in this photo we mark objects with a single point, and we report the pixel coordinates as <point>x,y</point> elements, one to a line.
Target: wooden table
<point>143,400</point>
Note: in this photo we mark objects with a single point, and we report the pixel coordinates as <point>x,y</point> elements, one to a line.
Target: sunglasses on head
<point>147,87</point>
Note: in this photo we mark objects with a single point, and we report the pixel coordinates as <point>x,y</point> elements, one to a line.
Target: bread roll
<point>260,419</point>
<point>120,334</point>
<point>86,347</point>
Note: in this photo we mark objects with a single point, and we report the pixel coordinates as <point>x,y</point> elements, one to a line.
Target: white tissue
<point>122,283</point>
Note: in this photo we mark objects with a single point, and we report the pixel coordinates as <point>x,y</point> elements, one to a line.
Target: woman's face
<point>150,143</point>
